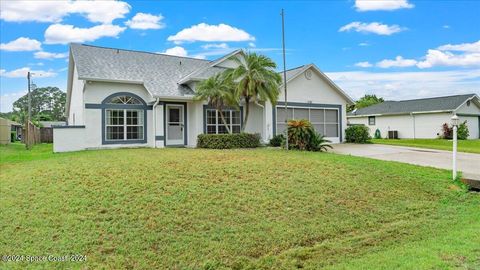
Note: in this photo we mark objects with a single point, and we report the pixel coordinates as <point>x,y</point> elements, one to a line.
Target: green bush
<point>462,132</point>
<point>228,141</point>
<point>357,134</point>
<point>277,140</point>
<point>378,135</point>
<point>302,136</point>
<point>13,136</point>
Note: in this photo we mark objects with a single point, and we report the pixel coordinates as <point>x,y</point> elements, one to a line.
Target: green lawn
<point>470,146</point>
<point>232,209</point>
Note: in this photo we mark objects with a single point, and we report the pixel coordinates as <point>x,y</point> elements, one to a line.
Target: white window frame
<point>282,121</point>
<point>125,125</point>
<point>219,122</point>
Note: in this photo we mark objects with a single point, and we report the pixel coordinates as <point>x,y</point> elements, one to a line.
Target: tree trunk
<point>247,111</point>
<point>223,121</point>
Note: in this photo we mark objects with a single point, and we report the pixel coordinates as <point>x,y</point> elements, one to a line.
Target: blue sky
<point>397,49</point>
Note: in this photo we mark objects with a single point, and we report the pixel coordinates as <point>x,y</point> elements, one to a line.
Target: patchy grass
<point>233,209</point>
<point>470,146</point>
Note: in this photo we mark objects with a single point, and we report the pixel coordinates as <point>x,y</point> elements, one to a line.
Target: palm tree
<point>255,79</point>
<point>218,91</point>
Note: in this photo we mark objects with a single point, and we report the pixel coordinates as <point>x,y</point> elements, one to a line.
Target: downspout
<point>413,117</point>
<point>155,123</point>
<point>265,128</point>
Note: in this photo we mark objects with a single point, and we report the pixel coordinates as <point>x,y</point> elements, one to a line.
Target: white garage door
<point>324,120</point>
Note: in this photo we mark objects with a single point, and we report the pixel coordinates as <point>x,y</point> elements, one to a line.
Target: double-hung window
<point>215,125</point>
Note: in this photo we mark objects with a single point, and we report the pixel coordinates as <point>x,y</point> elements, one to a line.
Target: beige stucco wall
<point>316,90</point>
<point>76,112</point>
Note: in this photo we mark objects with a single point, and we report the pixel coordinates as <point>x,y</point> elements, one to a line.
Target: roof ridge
<point>472,94</point>
<point>138,51</point>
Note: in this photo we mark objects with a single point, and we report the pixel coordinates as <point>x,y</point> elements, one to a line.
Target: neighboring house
<point>6,128</point>
<point>124,98</point>
<point>419,118</point>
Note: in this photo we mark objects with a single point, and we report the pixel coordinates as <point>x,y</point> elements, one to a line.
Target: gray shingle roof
<point>292,72</point>
<point>158,72</point>
<point>448,103</point>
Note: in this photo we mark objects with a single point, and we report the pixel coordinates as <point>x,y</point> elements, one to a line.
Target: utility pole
<point>29,116</point>
<point>284,79</point>
<point>29,75</point>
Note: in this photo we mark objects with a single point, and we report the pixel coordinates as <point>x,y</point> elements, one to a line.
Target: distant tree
<point>48,104</point>
<point>365,101</point>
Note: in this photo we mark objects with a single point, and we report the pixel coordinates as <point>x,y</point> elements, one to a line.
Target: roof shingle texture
<point>158,72</point>
<point>448,103</point>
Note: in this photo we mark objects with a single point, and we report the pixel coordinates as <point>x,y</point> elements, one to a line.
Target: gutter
<point>155,123</point>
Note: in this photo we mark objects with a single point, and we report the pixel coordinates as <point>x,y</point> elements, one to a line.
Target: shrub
<point>462,131</point>
<point>318,143</point>
<point>378,135</point>
<point>277,140</point>
<point>228,141</point>
<point>447,132</point>
<point>357,134</point>
<point>302,136</point>
<point>13,136</point>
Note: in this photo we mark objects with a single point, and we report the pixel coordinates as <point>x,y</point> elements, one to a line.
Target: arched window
<point>124,119</point>
<point>124,100</point>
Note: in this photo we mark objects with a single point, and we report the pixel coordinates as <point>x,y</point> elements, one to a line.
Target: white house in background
<point>419,118</point>
<point>124,98</point>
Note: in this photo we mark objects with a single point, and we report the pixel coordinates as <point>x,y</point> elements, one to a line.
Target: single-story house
<point>125,98</point>
<point>419,118</point>
<point>6,128</point>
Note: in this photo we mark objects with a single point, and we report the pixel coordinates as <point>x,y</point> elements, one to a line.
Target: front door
<point>175,125</point>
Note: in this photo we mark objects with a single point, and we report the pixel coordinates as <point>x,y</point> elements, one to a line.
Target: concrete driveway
<point>468,164</point>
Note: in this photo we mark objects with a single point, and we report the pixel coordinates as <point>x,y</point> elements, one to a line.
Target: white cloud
<point>22,73</point>
<point>445,58</point>
<point>215,46</point>
<point>363,64</point>
<point>469,56</point>
<point>364,44</point>
<point>211,33</point>
<point>446,26</point>
<point>55,11</point>
<point>374,27</point>
<point>7,100</point>
<point>65,33</point>
<point>251,44</point>
<point>464,47</point>
<point>397,62</point>
<point>21,44</point>
<point>370,5</point>
<point>49,55</point>
<point>404,85</point>
<point>177,50</point>
<point>144,21</point>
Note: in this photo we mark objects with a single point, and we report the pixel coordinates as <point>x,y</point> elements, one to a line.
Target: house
<point>125,98</point>
<point>6,128</point>
<point>419,118</point>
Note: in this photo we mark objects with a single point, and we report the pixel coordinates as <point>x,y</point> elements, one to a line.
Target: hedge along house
<point>420,118</point>
<point>122,98</point>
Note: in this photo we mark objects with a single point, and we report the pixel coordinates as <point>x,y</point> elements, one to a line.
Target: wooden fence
<point>46,135</point>
<point>30,134</point>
